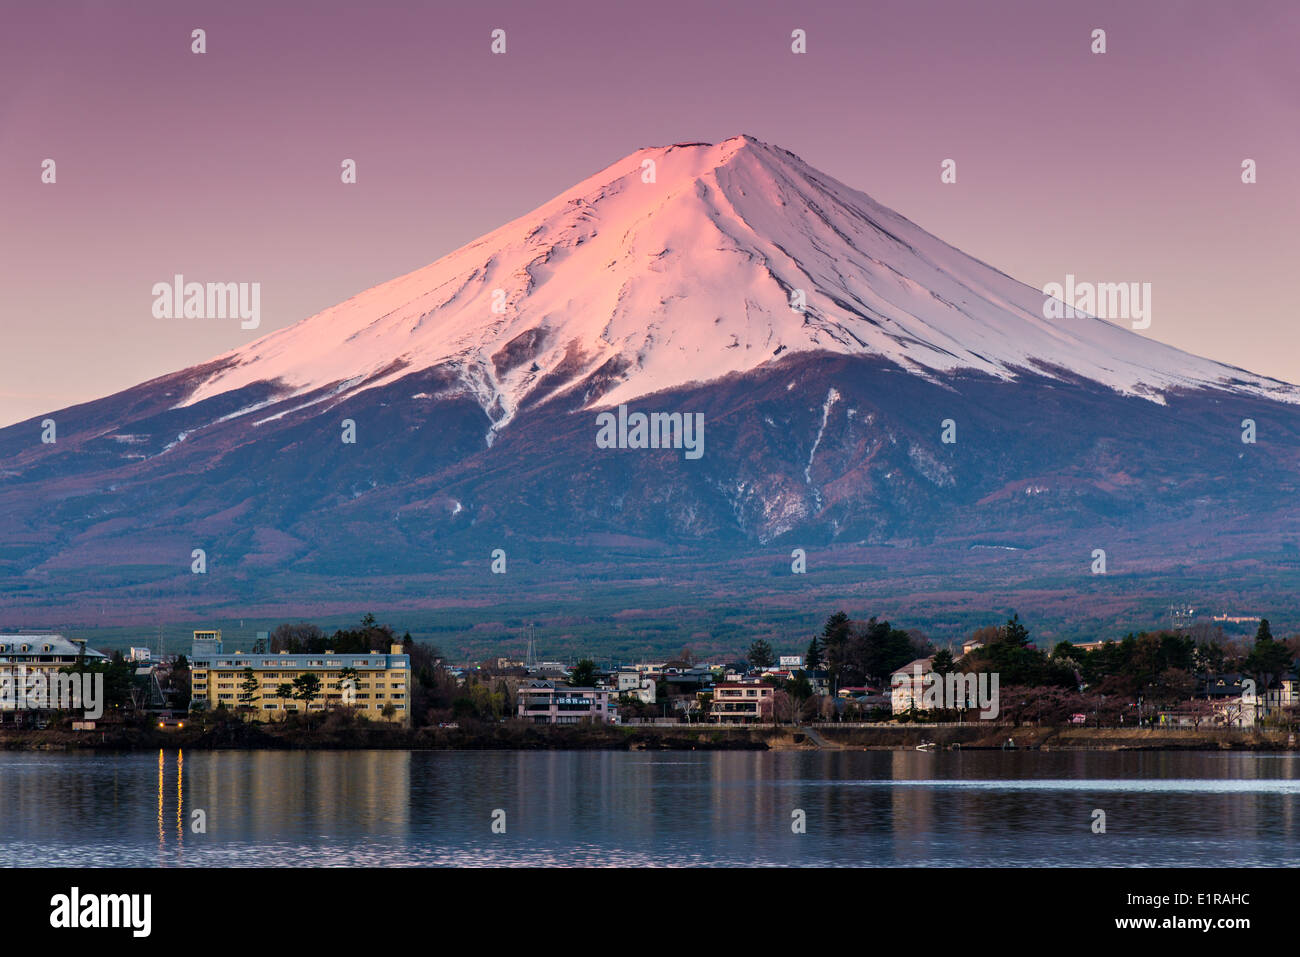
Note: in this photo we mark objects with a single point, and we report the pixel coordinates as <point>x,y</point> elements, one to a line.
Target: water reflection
<point>160,801</point>
<point>862,808</point>
<point>180,798</point>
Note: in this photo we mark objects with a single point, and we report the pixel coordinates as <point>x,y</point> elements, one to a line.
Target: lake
<point>396,808</point>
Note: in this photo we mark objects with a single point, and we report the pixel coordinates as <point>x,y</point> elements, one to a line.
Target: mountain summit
<point>621,287</point>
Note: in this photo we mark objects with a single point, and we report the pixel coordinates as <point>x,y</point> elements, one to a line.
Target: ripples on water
<point>388,808</point>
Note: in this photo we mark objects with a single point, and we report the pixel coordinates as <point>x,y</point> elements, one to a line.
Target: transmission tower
<point>530,658</point>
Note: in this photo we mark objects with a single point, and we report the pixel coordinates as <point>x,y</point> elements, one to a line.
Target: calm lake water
<point>682,808</point>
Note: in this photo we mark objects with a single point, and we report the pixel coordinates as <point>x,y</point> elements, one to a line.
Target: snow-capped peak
<point>677,264</point>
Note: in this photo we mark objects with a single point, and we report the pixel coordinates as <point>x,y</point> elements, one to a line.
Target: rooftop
<point>44,643</point>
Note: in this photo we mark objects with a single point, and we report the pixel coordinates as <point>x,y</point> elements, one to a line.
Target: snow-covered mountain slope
<point>688,278</point>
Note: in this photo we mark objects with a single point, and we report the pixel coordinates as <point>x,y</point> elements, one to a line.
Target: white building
<point>27,656</point>
<point>1285,695</point>
<point>543,702</point>
<point>1251,708</point>
<point>908,684</point>
<point>634,685</point>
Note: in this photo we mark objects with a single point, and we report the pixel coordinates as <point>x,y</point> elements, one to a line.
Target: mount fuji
<point>663,282</point>
<point>623,288</point>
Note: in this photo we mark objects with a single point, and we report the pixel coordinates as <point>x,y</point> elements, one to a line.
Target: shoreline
<point>514,737</point>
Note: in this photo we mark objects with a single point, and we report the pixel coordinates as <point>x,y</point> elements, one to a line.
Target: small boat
<point>925,746</point>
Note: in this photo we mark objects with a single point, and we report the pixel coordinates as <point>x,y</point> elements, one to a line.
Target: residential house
<point>635,685</point>
<point>741,702</point>
<point>908,684</point>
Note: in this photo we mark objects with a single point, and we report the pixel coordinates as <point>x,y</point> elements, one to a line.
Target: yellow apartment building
<point>381,689</point>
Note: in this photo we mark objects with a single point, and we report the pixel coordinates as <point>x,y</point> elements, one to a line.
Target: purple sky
<point>1121,167</point>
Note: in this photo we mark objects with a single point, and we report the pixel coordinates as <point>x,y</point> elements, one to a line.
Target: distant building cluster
<point>379,684</point>
<point>376,684</point>
<point>661,691</point>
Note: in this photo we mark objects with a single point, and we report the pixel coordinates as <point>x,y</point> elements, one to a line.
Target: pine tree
<point>761,655</point>
<point>813,658</point>
<point>248,690</point>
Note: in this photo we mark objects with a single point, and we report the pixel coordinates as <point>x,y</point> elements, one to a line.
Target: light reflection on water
<point>392,808</point>
<point>1098,785</point>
